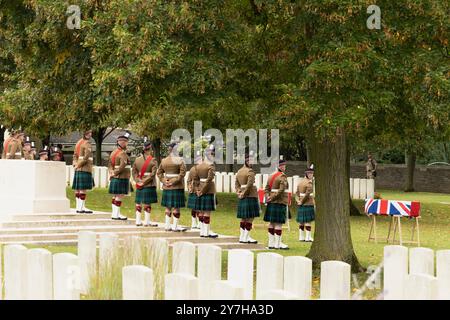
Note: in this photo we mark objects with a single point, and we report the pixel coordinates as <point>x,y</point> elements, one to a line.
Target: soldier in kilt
<point>83,163</point>
<point>14,148</point>
<point>305,200</point>
<point>205,187</point>
<point>144,174</point>
<point>27,151</point>
<point>276,193</point>
<point>43,154</point>
<point>171,173</point>
<point>7,141</point>
<point>119,173</point>
<point>248,205</point>
<point>56,154</point>
<point>192,198</point>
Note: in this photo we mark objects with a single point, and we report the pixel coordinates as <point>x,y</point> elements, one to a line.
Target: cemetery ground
<point>434,228</point>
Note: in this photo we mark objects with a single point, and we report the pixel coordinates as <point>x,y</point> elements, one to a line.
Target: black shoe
<point>88,211</point>
<point>212,236</point>
<point>123,219</point>
<point>151,225</point>
<point>139,225</point>
<point>252,242</point>
<point>80,211</point>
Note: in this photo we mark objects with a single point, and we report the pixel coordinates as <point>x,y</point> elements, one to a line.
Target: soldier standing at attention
<point>27,151</point>
<point>7,141</point>
<point>371,167</point>
<point>305,200</point>
<point>43,154</point>
<point>83,163</point>
<point>55,154</point>
<point>33,151</point>
<point>144,174</point>
<point>14,147</point>
<point>192,198</point>
<point>119,172</point>
<point>276,193</point>
<point>205,187</point>
<point>248,205</point>
<point>171,173</point>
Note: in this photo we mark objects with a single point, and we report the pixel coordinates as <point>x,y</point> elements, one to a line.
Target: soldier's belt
<point>82,158</point>
<point>147,173</point>
<point>304,194</point>
<point>203,180</point>
<point>171,175</point>
<point>245,186</point>
<point>18,153</point>
<point>126,167</point>
<point>276,190</point>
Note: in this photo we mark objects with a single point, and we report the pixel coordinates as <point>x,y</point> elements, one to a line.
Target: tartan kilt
<point>146,195</point>
<point>192,199</point>
<point>248,208</point>
<point>275,213</point>
<point>174,198</point>
<point>305,214</point>
<point>119,186</point>
<point>82,181</point>
<point>205,203</point>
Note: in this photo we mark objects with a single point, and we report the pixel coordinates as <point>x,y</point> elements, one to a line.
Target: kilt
<point>275,213</point>
<point>205,203</point>
<point>174,198</point>
<point>82,181</point>
<point>146,195</point>
<point>248,208</point>
<point>119,186</point>
<point>305,214</point>
<point>192,199</point>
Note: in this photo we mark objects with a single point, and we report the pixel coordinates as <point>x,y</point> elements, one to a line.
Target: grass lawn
<point>434,226</point>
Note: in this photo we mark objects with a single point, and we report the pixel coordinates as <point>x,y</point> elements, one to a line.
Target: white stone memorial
<point>298,276</point>
<point>46,193</point>
<point>395,269</point>
<point>370,188</point>
<point>87,254</point>
<point>268,263</point>
<point>363,189</point>
<point>420,287</point>
<point>108,249</point>
<point>334,280</point>
<point>137,283</point>
<point>258,181</point>
<point>226,290</point>
<point>240,270</point>
<point>421,261</point>
<point>443,274</point>
<point>181,286</point>
<point>15,260</point>
<point>104,179</point>
<point>278,295</point>
<point>219,182</point>
<point>66,277</point>
<point>183,257</point>
<point>40,274</point>
<point>209,268</point>
<point>356,188</point>
<point>226,182</point>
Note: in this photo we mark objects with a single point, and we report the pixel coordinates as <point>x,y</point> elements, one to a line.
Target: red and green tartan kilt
<point>205,203</point>
<point>146,195</point>
<point>82,181</point>
<point>119,186</point>
<point>192,199</point>
<point>275,213</point>
<point>248,208</point>
<point>173,198</point>
<point>305,214</point>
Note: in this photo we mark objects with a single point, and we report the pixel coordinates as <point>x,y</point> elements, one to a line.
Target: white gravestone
<point>209,268</point>
<point>219,182</point>
<point>66,277</point>
<point>104,177</point>
<point>233,183</point>
<point>334,280</point>
<point>443,273</point>
<point>421,260</point>
<point>351,188</point>
<point>15,269</point>
<point>226,290</point>
<point>363,189</point>
<point>96,176</point>
<point>395,270</point>
<point>137,283</point>
<point>298,276</point>
<point>43,192</point>
<point>370,188</point>
<point>269,272</point>
<point>278,295</point>
<point>420,287</point>
<point>356,188</point>
<point>40,274</point>
<point>181,286</point>
<point>87,254</point>
<point>226,182</point>
<point>240,270</point>
<point>183,257</point>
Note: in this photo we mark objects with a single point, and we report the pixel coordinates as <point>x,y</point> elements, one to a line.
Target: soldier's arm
<point>84,155</point>
<point>11,153</point>
<point>160,173</point>
<point>281,188</point>
<point>152,175</point>
<point>297,193</point>
<point>267,188</point>
<point>237,186</point>
<point>182,173</point>
<point>209,179</point>
<point>250,182</point>
<point>121,166</point>
<point>189,182</point>
<point>135,172</point>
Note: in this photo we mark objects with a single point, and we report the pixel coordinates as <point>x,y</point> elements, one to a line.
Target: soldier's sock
<point>118,203</point>
<point>148,209</point>
<point>248,226</point>
<point>82,196</point>
<point>200,218</point>
<point>176,214</point>
<point>77,194</point>
<point>302,227</point>
<point>308,228</point>
<point>206,220</point>
<point>242,224</point>
<point>278,232</point>
<point>138,208</point>
<point>168,213</point>
<point>271,231</point>
<point>193,213</point>
<point>113,201</point>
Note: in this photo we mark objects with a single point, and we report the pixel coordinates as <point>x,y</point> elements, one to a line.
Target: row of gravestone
<point>225,182</point>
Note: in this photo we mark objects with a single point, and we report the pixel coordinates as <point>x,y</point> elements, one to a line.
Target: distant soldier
<point>43,154</point>
<point>119,171</point>
<point>15,149</point>
<point>7,141</point>
<point>27,149</point>
<point>33,150</point>
<point>205,187</point>
<point>144,174</point>
<point>248,205</point>
<point>371,167</point>
<point>55,154</point>
<point>305,201</point>
<point>192,198</point>
<point>171,173</point>
<point>83,163</point>
<point>276,193</point>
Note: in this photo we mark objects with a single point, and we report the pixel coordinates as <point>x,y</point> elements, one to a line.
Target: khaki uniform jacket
<point>190,180</point>
<point>371,167</point>
<point>281,185</point>
<point>84,161</point>
<point>148,180</point>
<point>204,175</point>
<point>122,167</point>
<point>246,177</point>
<point>14,149</point>
<point>172,166</point>
<point>304,192</point>
<point>5,143</point>
<point>28,155</point>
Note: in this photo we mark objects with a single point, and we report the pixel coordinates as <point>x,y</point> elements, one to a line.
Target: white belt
<point>304,194</point>
<point>276,190</point>
<point>203,180</point>
<point>171,175</point>
<point>126,167</point>
<point>90,158</point>
<point>245,186</point>
<point>8,154</point>
<point>147,173</point>
<point>18,153</point>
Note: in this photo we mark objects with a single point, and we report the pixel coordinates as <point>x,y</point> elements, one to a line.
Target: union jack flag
<point>392,207</point>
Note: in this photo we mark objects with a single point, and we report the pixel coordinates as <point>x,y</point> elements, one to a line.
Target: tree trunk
<point>332,239</point>
<point>157,149</point>
<point>2,137</point>
<point>98,138</point>
<point>410,168</point>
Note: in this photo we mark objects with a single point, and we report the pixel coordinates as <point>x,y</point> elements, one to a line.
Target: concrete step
<point>65,222</point>
<point>60,216</point>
